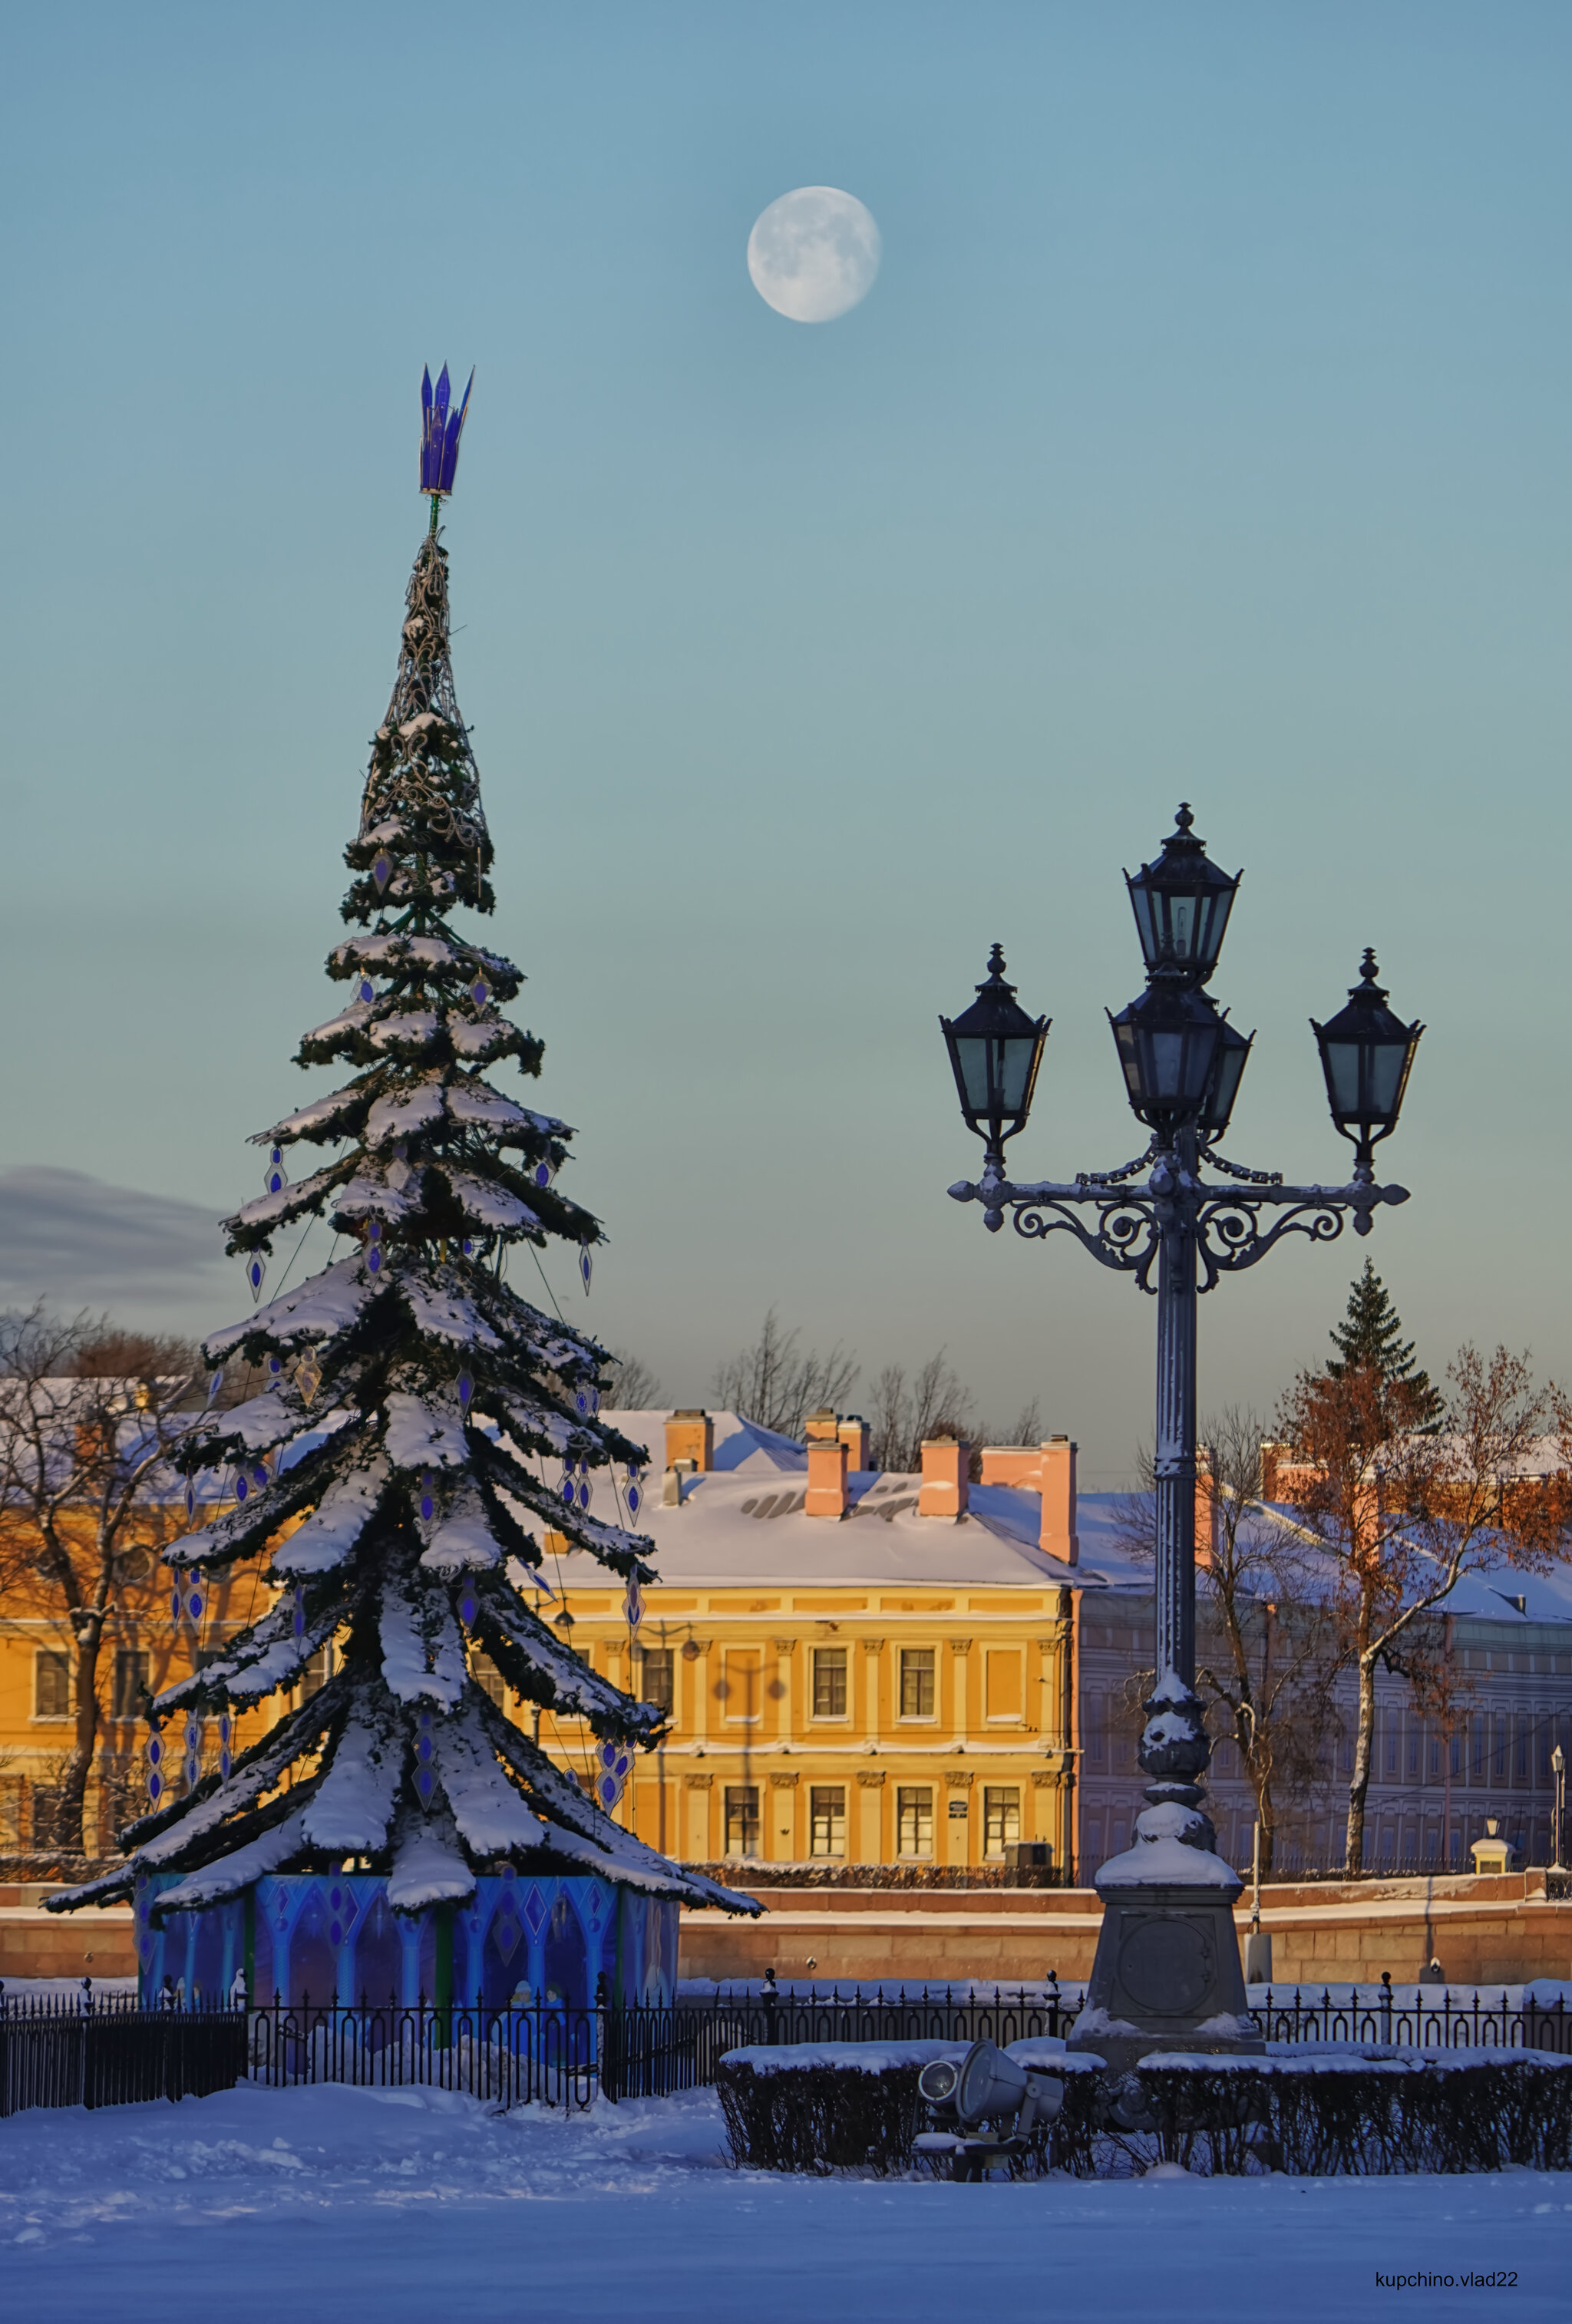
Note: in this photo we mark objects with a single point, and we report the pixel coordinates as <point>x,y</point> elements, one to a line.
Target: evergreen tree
<point>410,1397</point>
<point>1370,1338</point>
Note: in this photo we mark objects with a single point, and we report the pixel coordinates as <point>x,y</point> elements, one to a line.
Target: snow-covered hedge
<point>1323,2111</point>
<point>820,2106</point>
<point>1310,2110</point>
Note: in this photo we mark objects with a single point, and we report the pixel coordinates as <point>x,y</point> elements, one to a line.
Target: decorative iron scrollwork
<point>1226,1228</point>
<point>1126,1236</point>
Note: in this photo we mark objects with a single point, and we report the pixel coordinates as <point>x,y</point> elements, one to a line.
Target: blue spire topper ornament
<point>440,434</point>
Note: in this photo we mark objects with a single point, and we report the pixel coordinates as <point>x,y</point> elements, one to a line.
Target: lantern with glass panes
<point>1181,901</point>
<point>995,1051</point>
<point>1366,1056</point>
<point>1166,1220</point>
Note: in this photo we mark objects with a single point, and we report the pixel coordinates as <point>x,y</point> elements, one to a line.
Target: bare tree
<point>777,1385</point>
<point>1026,1428</point>
<point>635,1388</point>
<point>905,1408</point>
<point>1267,1642</point>
<point>1405,1501</point>
<point>88,1415</point>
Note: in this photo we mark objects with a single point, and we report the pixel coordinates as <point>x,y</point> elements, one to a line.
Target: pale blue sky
<point>1204,435</point>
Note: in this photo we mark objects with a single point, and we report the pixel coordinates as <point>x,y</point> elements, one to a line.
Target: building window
<point>52,1684</point>
<point>318,1671</point>
<point>1479,1747</point>
<point>830,1682</point>
<point>827,1820</point>
<point>1521,1770</point>
<point>488,1678</point>
<point>1093,1729</point>
<point>1002,1678</point>
<point>1393,1736</point>
<point>914,1814</point>
<point>1455,1754</point>
<point>660,1677</point>
<point>1000,1818</point>
<point>742,1820</point>
<point>740,1686</point>
<point>130,1676</point>
<point>46,1813</point>
<point>917,1688</point>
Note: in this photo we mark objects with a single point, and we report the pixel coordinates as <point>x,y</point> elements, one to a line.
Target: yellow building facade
<point>859,1668</point>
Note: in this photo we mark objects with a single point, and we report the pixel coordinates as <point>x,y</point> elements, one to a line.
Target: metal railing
<point>1420,2023</point>
<point>97,2051</point>
<point>509,2056</point>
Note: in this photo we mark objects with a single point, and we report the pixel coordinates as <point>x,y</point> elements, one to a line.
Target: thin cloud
<point>76,1242</point>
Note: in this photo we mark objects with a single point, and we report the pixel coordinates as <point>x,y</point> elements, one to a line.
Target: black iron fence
<point>1426,2019</point>
<point>100,2051</point>
<point>108,2051</point>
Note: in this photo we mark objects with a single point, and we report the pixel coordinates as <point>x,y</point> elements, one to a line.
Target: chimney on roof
<point>826,1477</point>
<point>1271,1461</point>
<point>1057,1534</point>
<point>854,1434</point>
<point>1049,1469</point>
<point>946,1469</point>
<point>691,1436</point>
<point>1020,1465</point>
<point>821,1426</point>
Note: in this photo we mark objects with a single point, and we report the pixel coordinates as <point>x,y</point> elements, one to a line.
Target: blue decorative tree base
<point>333,1937</point>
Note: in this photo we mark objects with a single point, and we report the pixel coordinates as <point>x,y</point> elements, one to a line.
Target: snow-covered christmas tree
<point>421,1425</point>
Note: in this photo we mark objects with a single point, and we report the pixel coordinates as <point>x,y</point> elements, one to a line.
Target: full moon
<point>814,254</point>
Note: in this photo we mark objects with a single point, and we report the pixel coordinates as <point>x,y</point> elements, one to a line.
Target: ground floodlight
<point>988,2084</point>
<point>936,2081</point>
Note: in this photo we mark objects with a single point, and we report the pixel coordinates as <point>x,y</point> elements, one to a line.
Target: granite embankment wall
<point>1490,1931</point>
<point>1487,1930</point>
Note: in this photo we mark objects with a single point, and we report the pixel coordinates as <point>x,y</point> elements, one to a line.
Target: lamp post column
<point>1175,1464</point>
<point>1167,1973</point>
<point>1174,1748</point>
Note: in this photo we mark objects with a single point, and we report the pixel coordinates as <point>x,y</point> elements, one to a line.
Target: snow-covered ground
<point>340,2204</point>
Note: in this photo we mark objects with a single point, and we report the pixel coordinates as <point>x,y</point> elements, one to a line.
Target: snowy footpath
<point>332,2203</point>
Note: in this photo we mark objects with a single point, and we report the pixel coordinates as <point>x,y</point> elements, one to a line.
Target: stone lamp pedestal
<point>1167,1973</point>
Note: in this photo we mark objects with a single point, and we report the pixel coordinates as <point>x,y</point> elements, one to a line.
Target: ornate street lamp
<point>1169,1042</point>
<point>1181,902</point>
<point>1558,1808</point>
<point>995,1051</point>
<point>1366,1054</point>
<point>1167,1967</point>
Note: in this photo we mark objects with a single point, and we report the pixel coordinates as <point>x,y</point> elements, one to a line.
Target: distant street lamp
<point>1558,1808</point>
<point>1166,1962</point>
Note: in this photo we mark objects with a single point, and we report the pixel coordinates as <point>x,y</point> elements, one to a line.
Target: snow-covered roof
<point>741,1446</point>
<point>743,1524</point>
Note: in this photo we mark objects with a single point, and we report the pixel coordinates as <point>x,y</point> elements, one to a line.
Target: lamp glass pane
<point>1184,917</point>
<point>972,1050</point>
<point>1386,1065</point>
<point>1124,1036</point>
<point>1230,1071</point>
<point>1014,1071</point>
<point>1145,924</point>
<point>1167,1054</point>
<point>1222,903</point>
<point>1199,1053</point>
<point>1343,1072</point>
